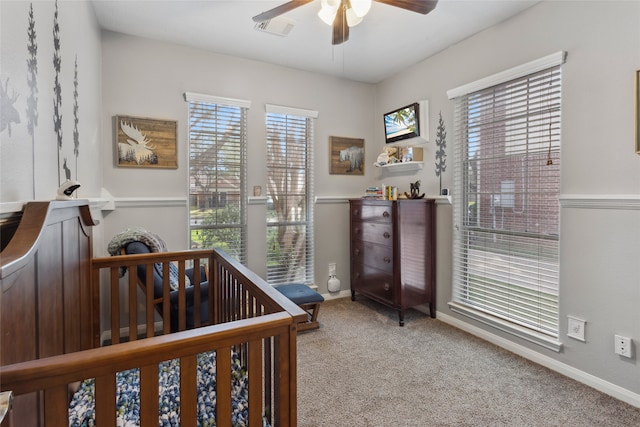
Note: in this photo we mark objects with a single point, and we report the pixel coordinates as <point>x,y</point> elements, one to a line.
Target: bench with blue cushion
<point>307,299</point>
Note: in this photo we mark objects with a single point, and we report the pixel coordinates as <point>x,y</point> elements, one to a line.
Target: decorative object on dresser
<point>415,191</point>
<point>393,252</point>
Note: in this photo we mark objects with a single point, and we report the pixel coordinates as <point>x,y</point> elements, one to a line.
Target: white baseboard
<point>562,368</point>
<point>336,295</point>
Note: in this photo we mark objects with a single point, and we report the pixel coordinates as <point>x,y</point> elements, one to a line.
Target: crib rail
<point>238,293</point>
<point>53,374</point>
<point>247,316</point>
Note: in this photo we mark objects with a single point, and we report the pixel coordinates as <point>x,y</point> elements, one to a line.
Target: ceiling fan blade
<point>340,26</point>
<point>420,6</point>
<point>279,10</point>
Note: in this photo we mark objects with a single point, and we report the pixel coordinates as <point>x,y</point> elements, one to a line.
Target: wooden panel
<point>378,256</point>
<point>45,306</point>
<point>18,294</point>
<point>373,283</point>
<point>375,232</point>
<point>371,211</point>
<point>50,293</point>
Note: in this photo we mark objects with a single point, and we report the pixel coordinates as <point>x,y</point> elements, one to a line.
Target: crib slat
<point>196,293</point>
<point>166,307</point>
<point>149,396</point>
<point>188,396</point>
<point>223,387</point>
<point>115,305</point>
<point>150,305</point>
<point>255,383</point>
<point>55,406</point>
<point>133,306</point>
<point>105,399</point>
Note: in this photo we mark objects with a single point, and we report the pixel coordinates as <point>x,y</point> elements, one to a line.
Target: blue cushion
<point>299,293</point>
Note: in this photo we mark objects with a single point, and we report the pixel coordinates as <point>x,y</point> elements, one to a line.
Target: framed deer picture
<point>346,156</point>
<point>145,143</point>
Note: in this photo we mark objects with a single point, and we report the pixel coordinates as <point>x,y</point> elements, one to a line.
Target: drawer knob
<point>386,235</point>
<point>387,286</point>
<point>385,214</point>
<point>356,212</point>
<point>387,259</point>
<point>356,251</point>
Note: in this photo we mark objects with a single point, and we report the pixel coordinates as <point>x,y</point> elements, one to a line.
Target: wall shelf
<point>401,166</point>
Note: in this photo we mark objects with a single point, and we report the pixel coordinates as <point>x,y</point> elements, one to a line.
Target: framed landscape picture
<point>346,156</point>
<point>146,143</point>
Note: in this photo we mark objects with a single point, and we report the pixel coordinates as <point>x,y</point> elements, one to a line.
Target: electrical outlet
<point>623,346</point>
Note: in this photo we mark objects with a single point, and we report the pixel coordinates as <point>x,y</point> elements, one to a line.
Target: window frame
<point>281,116</point>
<point>222,197</point>
<point>462,224</point>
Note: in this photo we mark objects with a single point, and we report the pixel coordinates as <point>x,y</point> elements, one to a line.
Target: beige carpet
<point>361,369</point>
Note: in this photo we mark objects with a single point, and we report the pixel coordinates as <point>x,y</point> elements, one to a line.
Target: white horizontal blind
<point>290,195</point>
<point>506,208</point>
<point>217,176</point>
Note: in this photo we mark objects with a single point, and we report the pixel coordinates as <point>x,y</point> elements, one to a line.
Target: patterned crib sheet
<point>82,412</point>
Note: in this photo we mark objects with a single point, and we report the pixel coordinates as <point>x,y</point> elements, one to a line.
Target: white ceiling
<point>387,40</point>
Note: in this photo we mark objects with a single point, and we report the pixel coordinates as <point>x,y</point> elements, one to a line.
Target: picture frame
<point>145,143</point>
<point>637,112</point>
<point>346,156</point>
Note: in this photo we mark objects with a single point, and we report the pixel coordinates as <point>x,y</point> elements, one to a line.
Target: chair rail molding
<point>601,201</point>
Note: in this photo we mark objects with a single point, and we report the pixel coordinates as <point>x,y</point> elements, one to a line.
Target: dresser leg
<point>353,295</point>
<point>401,317</point>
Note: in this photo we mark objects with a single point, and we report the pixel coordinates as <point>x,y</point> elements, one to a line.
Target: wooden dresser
<point>393,252</point>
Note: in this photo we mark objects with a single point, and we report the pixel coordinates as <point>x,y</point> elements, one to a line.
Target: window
<point>506,213</point>
<point>289,195</point>
<point>217,173</point>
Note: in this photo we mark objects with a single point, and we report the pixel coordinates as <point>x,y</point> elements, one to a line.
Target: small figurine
<point>388,156</point>
<point>66,189</point>
<point>415,191</point>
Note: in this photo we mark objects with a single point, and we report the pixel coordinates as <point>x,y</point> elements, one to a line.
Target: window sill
<point>518,331</point>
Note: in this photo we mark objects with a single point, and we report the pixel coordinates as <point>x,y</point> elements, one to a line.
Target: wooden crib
<point>64,320</point>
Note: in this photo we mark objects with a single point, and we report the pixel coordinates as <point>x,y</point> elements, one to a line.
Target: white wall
<point>31,165</point>
<point>600,218</point>
<point>145,78</point>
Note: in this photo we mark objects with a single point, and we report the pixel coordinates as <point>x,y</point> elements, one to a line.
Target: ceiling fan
<point>342,14</point>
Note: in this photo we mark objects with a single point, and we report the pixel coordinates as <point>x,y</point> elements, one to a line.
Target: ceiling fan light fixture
<point>355,11</point>
<point>352,18</point>
<point>328,11</point>
<point>360,7</point>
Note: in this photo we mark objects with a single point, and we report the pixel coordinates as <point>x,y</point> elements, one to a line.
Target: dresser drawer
<point>380,213</point>
<point>375,232</point>
<point>372,282</point>
<point>373,255</point>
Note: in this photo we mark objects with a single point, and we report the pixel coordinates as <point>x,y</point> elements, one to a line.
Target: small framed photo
<point>346,156</point>
<point>145,143</point>
<point>637,112</point>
